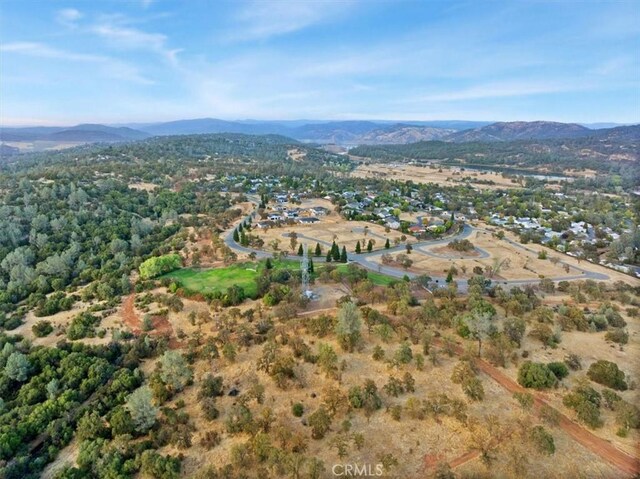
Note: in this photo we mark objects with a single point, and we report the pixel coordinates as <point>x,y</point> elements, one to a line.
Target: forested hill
<point>618,154</point>
<point>234,146</point>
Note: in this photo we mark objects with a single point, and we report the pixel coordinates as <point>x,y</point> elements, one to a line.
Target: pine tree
<point>449,277</point>
<point>329,256</point>
<point>267,264</point>
<point>318,250</point>
<point>300,250</point>
<point>236,236</point>
<point>370,246</point>
<point>452,217</point>
<point>387,245</point>
<point>244,241</point>
<point>358,249</point>
<point>343,255</point>
<point>240,228</point>
<point>311,268</point>
<point>335,252</point>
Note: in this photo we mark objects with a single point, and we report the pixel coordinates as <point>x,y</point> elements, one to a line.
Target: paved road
<point>366,259</point>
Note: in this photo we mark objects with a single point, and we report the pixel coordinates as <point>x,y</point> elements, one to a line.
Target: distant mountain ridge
<point>350,132</point>
<point>521,130</point>
<point>84,133</point>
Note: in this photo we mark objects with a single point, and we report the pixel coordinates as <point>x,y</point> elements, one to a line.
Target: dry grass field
<point>440,175</point>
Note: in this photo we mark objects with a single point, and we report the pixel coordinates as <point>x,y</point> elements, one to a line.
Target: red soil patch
<point>161,326</point>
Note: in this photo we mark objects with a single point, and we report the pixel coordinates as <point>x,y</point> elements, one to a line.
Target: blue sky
<point>66,62</point>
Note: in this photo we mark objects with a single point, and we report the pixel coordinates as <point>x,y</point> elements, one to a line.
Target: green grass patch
<point>244,275</point>
<point>219,279</point>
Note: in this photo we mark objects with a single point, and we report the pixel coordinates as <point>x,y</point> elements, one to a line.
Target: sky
<point>69,62</point>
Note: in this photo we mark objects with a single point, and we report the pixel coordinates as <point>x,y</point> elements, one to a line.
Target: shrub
<point>536,375</point>
<point>559,369</point>
<point>585,401</point>
<point>542,440</point>
<point>608,374</point>
<point>617,335</point>
<point>42,329</point>
<point>573,361</point>
<point>297,409</point>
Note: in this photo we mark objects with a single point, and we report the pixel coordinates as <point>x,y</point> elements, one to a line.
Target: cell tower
<point>304,269</point>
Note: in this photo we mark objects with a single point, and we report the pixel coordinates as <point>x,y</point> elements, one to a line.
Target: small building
<point>319,210</point>
<point>265,224</point>
<point>308,220</point>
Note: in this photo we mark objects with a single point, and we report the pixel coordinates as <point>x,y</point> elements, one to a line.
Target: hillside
<point>81,133</point>
<point>521,130</point>
<point>403,134</point>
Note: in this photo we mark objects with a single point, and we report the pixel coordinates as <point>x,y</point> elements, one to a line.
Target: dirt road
<point>607,451</point>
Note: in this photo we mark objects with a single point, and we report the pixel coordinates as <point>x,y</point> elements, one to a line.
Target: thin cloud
<point>500,90</point>
<point>259,20</point>
<point>110,66</point>
<point>132,38</point>
<point>68,17</point>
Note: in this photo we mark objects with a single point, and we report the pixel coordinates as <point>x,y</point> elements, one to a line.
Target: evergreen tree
<point>311,268</point>
<point>452,217</point>
<point>240,228</point>
<point>300,250</point>
<point>244,241</point>
<point>329,256</point>
<point>449,276</point>
<point>370,246</point>
<point>318,250</point>
<point>335,252</point>
<point>268,264</point>
<point>236,236</point>
<point>358,249</point>
<point>343,255</point>
<point>387,245</point>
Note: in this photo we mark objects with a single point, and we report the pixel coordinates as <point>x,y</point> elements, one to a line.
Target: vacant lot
<point>441,175</point>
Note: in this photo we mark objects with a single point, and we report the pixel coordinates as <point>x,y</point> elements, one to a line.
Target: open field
<point>244,275</point>
<point>440,175</point>
<point>219,279</point>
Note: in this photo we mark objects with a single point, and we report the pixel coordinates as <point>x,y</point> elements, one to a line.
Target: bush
<point>585,401</point>
<point>297,409</point>
<point>617,335</point>
<point>542,440</point>
<point>559,369</point>
<point>608,374</point>
<point>536,375</point>
<point>573,361</point>
<point>42,329</point>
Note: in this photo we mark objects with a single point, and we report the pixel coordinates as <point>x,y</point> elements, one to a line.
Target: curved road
<point>366,259</point>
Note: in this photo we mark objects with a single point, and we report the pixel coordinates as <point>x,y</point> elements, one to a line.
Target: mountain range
<point>339,132</point>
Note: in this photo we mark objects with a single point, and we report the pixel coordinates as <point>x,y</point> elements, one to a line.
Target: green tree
<point>348,325</point>
<point>370,246</point>
<point>320,422</point>
<point>387,245</point>
<point>17,367</point>
<point>536,375</point>
<point>140,406</point>
<point>159,265</point>
<point>175,372</point>
<point>358,250</point>
<point>608,374</point>
<point>343,255</point>
<point>318,251</point>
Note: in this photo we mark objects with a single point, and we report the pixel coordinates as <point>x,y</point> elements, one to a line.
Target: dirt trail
<point>161,326</point>
<point>607,451</point>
